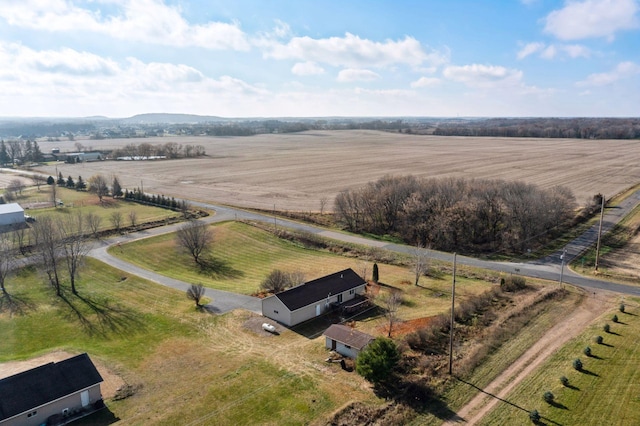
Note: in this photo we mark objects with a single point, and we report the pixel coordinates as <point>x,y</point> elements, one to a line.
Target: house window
<point>347,346</point>
<point>339,298</point>
<point>351,291</point>
<point>276,311</point>
<point>31,414</point>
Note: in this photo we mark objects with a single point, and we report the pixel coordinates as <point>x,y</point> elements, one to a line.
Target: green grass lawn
<point>187,366</point>
<point>607,391</point>
<point>86,203</point>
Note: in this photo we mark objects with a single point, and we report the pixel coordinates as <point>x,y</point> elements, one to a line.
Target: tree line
<point>457,214</point>
<point>19,151</point>
<point>574,128</point>
<point>170,150</point>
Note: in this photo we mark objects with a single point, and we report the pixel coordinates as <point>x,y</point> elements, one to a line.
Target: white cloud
<point>476,75</point>
<point>529,49</point>
<point>351,74</point>
<point>621,71</point>
<point>353,51</point>
<point>426,82</point>
<point>307,68</point>
<point>147,21</point>
<point>554,50</point>
<point>81,83</point>
<point>592,19</point>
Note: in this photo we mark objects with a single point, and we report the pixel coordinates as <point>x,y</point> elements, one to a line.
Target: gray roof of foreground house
<point>10,208</point>
<point>319,289</point>
<point>36,387</point>
<point>348,336</point>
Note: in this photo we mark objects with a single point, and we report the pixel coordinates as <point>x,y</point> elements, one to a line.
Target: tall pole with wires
<point>599,234</point>
<point>453,305</point>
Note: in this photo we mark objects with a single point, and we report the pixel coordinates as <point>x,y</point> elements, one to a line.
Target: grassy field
<point>186,367</point>
<point>87,203</point>
<point>606,391</point>
<point>246,254</point>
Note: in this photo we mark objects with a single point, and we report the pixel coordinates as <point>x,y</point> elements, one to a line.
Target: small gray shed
<point>346,340</point>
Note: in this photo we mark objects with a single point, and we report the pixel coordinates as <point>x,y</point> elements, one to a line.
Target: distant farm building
<point>313,298</point>
<point>52,394</point>
<point>81,157</point>
<point>346,340</point>
<point>11,214</point>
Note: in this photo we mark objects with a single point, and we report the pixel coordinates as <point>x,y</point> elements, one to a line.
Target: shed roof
<point>10,208</point>
<point>36,387</point>
<point>319,289</point>
<point>348,336</point>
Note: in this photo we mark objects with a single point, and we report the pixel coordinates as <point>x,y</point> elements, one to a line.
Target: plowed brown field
<point>295,171</point>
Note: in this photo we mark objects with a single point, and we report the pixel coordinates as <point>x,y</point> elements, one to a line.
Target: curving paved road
<point>548,268</point>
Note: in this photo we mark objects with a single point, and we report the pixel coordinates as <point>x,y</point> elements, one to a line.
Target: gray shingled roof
<point>319,289</point>
<point>30,389</point>
<point>348,336</point>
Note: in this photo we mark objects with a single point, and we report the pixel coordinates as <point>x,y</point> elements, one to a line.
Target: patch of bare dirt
<point>590,309</point>
<point>112,381</point>
<point>254,324</point>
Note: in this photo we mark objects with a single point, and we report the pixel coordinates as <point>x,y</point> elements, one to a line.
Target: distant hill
<point>167,118</point>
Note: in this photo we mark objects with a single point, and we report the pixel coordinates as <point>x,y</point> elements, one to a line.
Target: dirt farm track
<point>295,171</point>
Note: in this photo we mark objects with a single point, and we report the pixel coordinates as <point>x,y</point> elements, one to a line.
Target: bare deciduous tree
<point>16,186</point>
<point>323,204</point>
<point>7,260</point>
<point>47,241</point>
<point>196,292</point>
<point>195,238</point>
<point>392,302</point>
<point>278,280</point>
<point>39,180</point>
<point>93,223</point>
<point>420,262</point>
<point>116,220</point>
<point>99,186</point>
<point>133,218</point>
<point>19,236</point>
<point>74,245</point>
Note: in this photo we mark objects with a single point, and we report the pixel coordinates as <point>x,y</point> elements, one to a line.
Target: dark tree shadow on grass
<point>105,316</point>
<point>556,404</point>
<point>572,387</point>
<point>588,373</point>
<point>606,344</point>
<point>218,268</point>
<point>595,356</point>
<point>15,305</point>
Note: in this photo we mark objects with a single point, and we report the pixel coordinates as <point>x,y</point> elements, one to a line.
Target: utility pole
<point>564,252</point>
<point>599,234</point>
<point>275,220</point>
<point>453,305</point>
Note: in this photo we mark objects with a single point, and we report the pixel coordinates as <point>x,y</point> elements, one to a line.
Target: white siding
<point>273,308</point>
<point>11,214</point>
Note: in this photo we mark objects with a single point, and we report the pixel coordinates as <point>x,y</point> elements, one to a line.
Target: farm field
<point>295,171</point>
<point>606,388</point>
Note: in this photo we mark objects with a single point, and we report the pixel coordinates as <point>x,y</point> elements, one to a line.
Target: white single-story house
<point>346,340</point>
<point>82,157</point>
<point>313,298</point>
<point>11,214</point>
<point>54,393</point>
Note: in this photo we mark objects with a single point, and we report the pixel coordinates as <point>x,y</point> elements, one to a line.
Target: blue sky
<point>267,58</point>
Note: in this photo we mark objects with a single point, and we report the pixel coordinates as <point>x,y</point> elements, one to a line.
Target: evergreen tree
<point>70,182</point>
<point>117,188</point>
<point>27,156</point>
<point>376,362</point>
<point>80,184</point>
<point>4,156</point>
<point>61,181</point>
<point>50,180</point>
<point>36,154</point>
<point>375,276</point>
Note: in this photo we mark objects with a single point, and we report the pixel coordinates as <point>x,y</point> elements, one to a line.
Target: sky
<point>267,58</point>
